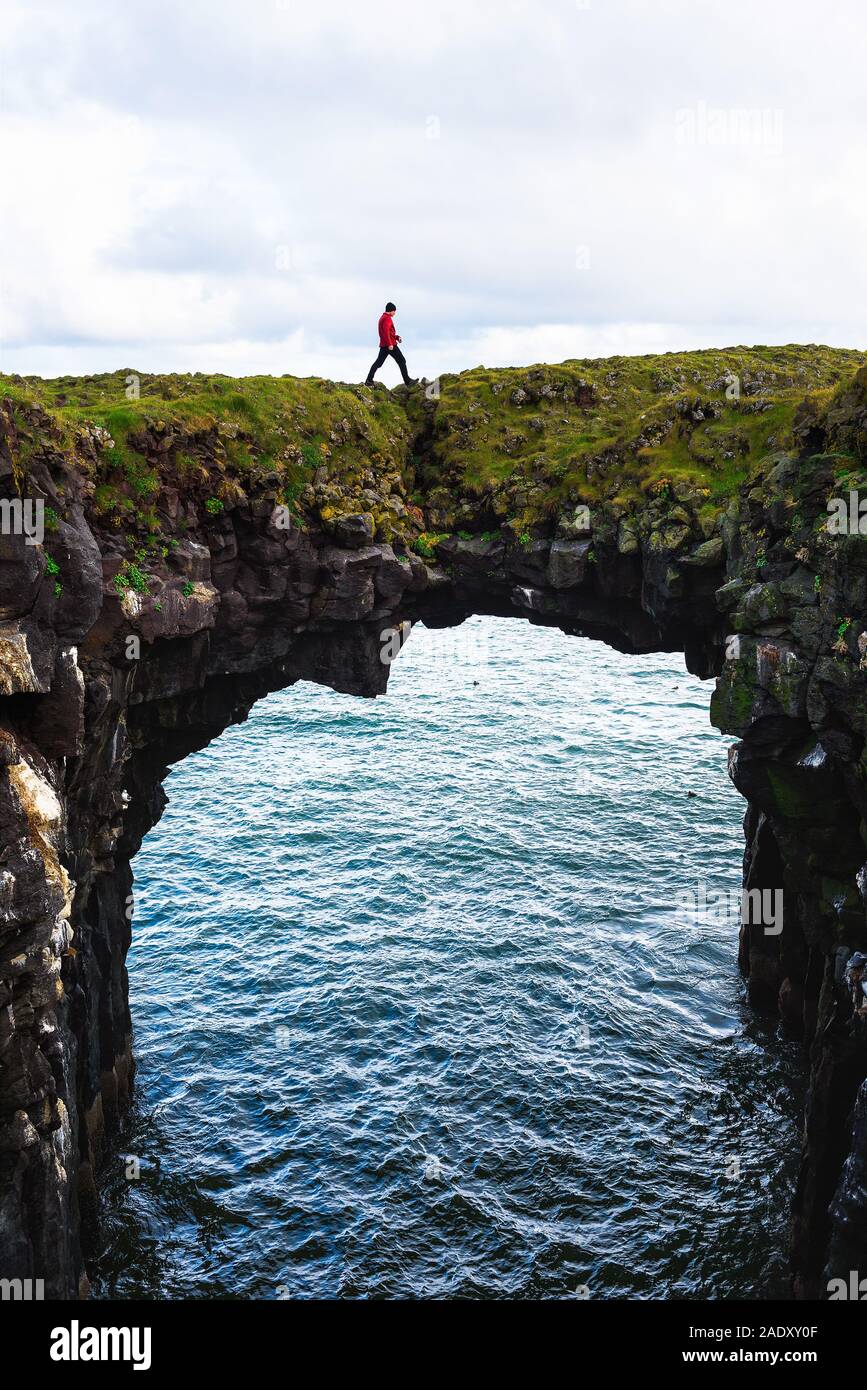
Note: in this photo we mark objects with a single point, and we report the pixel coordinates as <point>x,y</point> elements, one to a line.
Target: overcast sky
<point>239,185</point>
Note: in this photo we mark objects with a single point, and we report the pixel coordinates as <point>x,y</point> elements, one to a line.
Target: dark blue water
<point>418,1009</point>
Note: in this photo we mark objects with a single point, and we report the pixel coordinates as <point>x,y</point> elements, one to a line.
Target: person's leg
<point>401,362</point>
<point>383,353</point>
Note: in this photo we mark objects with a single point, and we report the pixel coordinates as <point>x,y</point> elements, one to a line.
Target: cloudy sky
<point>239,185</point>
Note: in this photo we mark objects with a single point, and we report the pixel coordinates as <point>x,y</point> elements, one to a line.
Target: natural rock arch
<point>245,604</point>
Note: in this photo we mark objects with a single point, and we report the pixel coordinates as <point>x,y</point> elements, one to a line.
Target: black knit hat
<point>390,308</point>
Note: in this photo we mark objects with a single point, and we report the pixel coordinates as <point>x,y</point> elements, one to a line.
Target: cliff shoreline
<point>195,558</point>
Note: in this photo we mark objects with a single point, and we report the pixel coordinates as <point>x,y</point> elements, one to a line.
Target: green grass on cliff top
<point>596,429</point>
<point>273,416</point>
<point>631,435</point>
<point>221,429</point>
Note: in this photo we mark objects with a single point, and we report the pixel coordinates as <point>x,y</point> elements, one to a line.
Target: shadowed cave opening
<point>417,1013</point>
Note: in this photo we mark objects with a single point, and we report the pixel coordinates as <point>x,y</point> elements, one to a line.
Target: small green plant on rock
<point>841,646</point>
<point>131,577</point>
<point>187,589</point>
<point>426,544</point>
<point>214,506</point>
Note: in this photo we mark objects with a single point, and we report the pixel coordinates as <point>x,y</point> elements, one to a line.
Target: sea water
<point>419,1012</point>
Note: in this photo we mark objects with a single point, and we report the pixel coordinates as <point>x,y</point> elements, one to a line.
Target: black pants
<point>399,358</point>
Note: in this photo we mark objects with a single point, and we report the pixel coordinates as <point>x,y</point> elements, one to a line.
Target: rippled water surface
<point>417,1010</point>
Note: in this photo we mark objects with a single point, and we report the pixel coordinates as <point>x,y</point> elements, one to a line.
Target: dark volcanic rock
<point>108,675</point>
<point>567,563</point>
<point>354,530</point>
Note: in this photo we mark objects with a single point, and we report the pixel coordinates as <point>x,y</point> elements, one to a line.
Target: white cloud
<point>239,186</point>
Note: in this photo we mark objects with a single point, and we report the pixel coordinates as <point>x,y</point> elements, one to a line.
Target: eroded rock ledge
<point>133,635</point>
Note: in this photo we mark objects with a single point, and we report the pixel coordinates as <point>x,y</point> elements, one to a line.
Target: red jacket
<point>387,336</point>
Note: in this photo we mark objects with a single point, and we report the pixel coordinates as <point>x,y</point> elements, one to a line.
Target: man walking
<point>388,346</point>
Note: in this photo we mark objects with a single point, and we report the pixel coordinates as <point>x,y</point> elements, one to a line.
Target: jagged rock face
<point>104,684</point>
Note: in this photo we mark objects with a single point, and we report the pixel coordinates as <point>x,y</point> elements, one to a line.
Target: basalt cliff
<point>173,548</point>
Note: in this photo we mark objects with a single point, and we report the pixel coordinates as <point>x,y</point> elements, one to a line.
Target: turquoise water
<point>419,1012</point>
